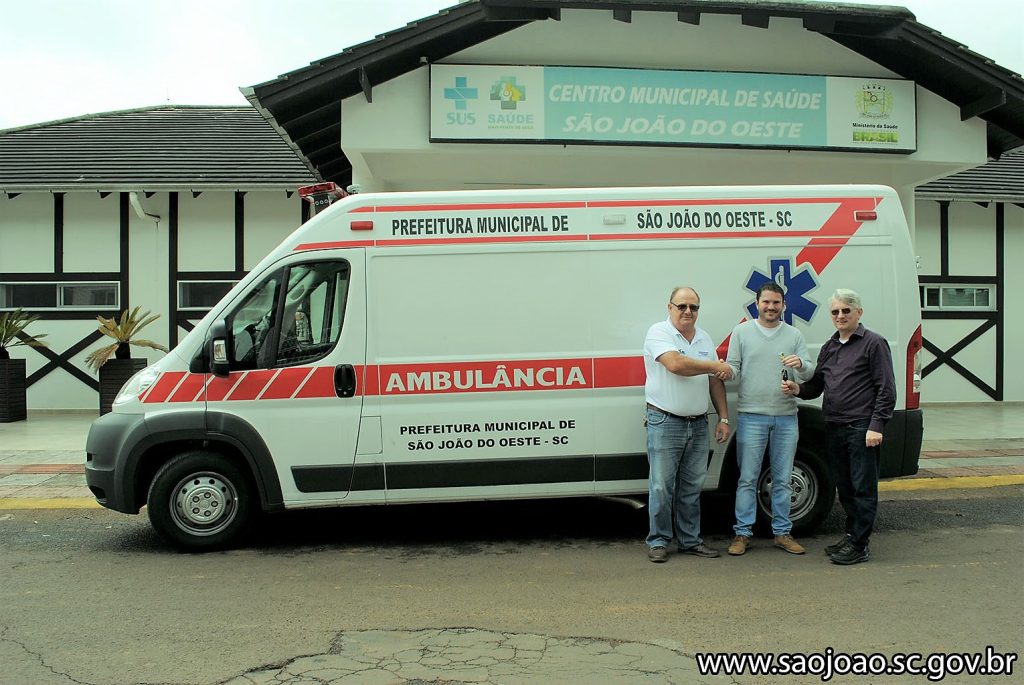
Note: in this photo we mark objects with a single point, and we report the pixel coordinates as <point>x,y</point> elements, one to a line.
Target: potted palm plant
<point>114,362</point>
<point>13,406</point>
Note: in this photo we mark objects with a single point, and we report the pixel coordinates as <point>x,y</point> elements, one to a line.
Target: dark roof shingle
<point>1001,180</point>
<point>155,148</point>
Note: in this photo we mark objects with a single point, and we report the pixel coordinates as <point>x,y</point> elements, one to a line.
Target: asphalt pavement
<point>451,639</point>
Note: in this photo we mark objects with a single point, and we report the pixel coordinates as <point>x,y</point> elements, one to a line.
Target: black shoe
<point>701,550</point>
<point>837,545</point>
<point>658,555</point>
<point>848,554</point>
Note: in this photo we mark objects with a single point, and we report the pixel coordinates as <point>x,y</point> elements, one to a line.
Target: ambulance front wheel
<point>813,493</point>
<point>200,500</point>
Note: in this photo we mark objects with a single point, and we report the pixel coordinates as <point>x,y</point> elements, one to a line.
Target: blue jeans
<point>677,451</point>
<point>754,432</point>
<point>856,470</point>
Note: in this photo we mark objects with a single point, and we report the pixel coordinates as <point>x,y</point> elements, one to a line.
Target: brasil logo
<point>874,100</point>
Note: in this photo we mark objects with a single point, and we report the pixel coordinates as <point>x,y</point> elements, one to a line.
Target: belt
<point>698,417</point>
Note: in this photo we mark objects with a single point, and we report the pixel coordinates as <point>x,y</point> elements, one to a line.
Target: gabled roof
<point>305,104</point>
<point>154,148</point>
<point>1001,180</point>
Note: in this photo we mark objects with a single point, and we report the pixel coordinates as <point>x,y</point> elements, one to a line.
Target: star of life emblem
<point>795,283</point>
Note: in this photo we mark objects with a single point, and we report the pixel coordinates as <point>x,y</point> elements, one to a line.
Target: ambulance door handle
<point>344,380</point>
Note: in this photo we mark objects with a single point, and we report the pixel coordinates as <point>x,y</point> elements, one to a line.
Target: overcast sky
<point>66,58</point>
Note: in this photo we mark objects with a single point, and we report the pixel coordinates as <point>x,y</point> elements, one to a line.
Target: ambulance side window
<point>250,324</point>
<point>313,307</point>
<point>297,324</point>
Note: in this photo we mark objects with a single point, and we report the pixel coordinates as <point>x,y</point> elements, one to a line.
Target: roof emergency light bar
<point>321,195</point>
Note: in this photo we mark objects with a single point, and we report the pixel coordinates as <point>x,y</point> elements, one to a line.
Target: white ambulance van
<point>444,346</point>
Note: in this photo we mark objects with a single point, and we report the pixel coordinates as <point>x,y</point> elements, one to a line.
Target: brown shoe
<point>787,543</point>
<point>659,555</point>
<point>739,545</point>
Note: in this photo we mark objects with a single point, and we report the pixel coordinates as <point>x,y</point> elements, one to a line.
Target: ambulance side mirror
<point>217,351</point>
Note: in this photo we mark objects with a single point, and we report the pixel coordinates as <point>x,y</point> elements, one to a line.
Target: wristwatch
<point>725,421</point>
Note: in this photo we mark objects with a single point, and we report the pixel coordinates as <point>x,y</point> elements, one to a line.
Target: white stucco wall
<point>206,228</point>
<point>58,389</point>
<point>972,252</point>
<point>148,265</point>
<point>269,218</point>
<point>1013,371</point>
<point>91,232</point>
<point>26,233</point>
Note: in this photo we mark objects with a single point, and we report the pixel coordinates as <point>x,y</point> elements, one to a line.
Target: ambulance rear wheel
<point>813,493</point>
<point>200,500</point>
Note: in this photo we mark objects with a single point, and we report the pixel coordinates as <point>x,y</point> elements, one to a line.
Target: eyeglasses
<point>844,310</point>
<point>684,307</point>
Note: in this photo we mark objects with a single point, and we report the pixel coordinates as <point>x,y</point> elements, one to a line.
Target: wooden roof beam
<point>758,21</point>
<point>992,100</point>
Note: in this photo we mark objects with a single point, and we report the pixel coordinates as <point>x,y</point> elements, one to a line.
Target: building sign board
<point>590,105</point>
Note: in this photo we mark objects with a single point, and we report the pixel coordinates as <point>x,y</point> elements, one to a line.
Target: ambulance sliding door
<point>485,367</point>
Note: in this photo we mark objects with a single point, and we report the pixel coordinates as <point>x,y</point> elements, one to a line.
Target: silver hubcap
<point>802,498</point>
<point>204,503</point>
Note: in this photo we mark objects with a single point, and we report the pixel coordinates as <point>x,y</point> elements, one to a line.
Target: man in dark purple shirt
<point>854,370</point>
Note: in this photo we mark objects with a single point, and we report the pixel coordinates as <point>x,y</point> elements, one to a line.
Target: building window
<point>202,295</point>
<point>49,296</point>
<point>959,298</point>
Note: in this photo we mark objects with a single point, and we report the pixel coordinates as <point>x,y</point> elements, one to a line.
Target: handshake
<point>721,370</point>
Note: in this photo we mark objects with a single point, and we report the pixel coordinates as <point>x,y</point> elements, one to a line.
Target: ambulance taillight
<point>914,370</point>
<point>321,195</point>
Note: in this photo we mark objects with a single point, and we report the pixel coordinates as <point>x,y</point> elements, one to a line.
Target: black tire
<point>218,491</point>
<point>814,493</point>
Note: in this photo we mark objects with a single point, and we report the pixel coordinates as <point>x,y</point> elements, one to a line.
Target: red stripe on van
<point>703,236</point>
<point>319,384</point>
<point>303,382</point>
<point>835,233</point>
<point>370,384</point>
<point>619,372</point>
<point>718,201</point>
<point>218,388</point>
<point>286,383</point>
<point>470,207</point>
<point>486,376</point>
<point>251,385</point>
<point>399,242</point>
<point>162,389</point>
<point>333,245</point>
<point>189,388</point>
<point>723,347</point>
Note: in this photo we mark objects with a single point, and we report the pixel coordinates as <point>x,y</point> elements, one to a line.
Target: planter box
<point>113,375</point>
<point>12,390</point>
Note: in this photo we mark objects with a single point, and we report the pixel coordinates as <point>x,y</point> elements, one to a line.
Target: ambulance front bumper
<point>112,438</point>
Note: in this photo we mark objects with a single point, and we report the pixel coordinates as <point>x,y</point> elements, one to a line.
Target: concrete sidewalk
<point>965,445</point>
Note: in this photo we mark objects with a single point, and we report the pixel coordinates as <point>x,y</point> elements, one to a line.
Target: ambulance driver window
<point>249,326</point>
<point>314,307</point>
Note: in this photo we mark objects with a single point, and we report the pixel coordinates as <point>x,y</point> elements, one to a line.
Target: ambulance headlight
<point>137,384</point>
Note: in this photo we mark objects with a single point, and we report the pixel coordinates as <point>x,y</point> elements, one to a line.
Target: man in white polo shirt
<point>682,370</point>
